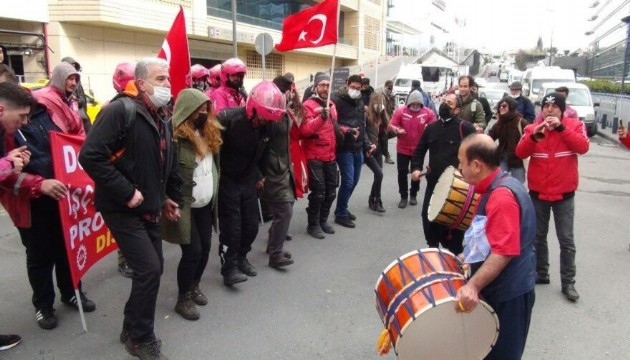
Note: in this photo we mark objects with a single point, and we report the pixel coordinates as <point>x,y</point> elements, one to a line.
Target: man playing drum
<point>441,139</point>
<point>499,246</point>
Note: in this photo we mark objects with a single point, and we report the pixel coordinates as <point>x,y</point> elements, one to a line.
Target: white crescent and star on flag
<point>323,19</point>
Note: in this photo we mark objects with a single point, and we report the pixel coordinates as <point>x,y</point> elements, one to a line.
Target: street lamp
<point>626,54</point>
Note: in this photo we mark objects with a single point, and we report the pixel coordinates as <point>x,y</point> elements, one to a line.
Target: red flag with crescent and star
<point>312,27</point>
<point>175,51</point>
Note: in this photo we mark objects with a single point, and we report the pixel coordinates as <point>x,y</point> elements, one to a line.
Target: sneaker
<point>288,237</point>
<point>315,231</point>
<point>246,268</point>
<point>125,270</point>
<point>388,160</point>
<point>344,221</point>
<point>542,279</point>
<point>326,227</point>
<point>280,261</point>
<point>403,203</point>
<point>186,307</point>
<point>88,305</point>
<point>351,216</point>
<point>570,293</point>
<point>413,201</point>
<point>46,318</point>
<point>145,351</point>
<point>9,341</point>
<point>197,296</point>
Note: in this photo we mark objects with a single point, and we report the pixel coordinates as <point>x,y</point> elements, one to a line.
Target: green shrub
<point>607,87</point>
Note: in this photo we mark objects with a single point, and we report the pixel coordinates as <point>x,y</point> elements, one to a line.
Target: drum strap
<point>464,211</point>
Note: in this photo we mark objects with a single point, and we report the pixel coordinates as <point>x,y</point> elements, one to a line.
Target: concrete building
<point>101,33</point>
<point>608,44</point>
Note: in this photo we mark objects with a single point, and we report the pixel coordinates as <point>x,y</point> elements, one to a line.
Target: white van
<point>535,77</point>
<point>402,81</point>
<point>580,99</point>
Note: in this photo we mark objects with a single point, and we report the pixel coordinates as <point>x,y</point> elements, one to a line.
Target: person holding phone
<point>623,134</point>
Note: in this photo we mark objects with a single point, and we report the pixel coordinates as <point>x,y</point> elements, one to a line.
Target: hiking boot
<point>125,270</point>
<point>145,351</point>
<point>570,293</point>
<point>288,237</point>
<point>371,203</point>
<point>9,341</point>
<point>279,261</point>
<point>413,201</point>
<point>246,268</point>
<point>379,205</point>
<point>197,296</point>
<point>186,307</point>
<point>87,304</point>
<point>46,318</point>
<point>542,279</point>
<point>233,276</point>
<point>326,227</point>
<point>388,160</point>
<point>315,231</point>
<point>344,221</point>
<point>351,216</point>
<point>403,203</point>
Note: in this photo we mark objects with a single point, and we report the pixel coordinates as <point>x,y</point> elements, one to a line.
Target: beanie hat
<point>555,98</point>
<point>516,85</point>
<point>415,97</point>
<point>187,102</point>
<point>320,76</point>
<point>283,83</point>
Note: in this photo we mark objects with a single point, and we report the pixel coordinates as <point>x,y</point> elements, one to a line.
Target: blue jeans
<point>517,173</point>
<point>350,168</point>
<point>563,213</point>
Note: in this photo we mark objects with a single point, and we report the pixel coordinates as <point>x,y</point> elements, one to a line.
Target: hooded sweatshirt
<point>412,122</point>
<point>62,110</point>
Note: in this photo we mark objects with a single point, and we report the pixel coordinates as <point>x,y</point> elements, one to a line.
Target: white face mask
<point>354,94</point>
<point>515,95</point>
<point>161,96</point>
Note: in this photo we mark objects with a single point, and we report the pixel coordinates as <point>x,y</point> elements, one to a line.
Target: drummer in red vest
<point>499,246</point>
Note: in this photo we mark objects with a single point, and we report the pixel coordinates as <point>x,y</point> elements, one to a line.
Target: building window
<point>254,11</point>
<point>274,65</point>
<point>372,29</point>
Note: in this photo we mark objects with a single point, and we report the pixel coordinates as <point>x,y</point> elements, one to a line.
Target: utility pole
<point>626,53</point>
<point>234,41</point>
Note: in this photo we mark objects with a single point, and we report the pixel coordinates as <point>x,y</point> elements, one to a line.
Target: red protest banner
<point>87,237</point>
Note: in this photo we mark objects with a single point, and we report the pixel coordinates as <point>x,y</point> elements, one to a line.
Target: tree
<point>539,44</point>
<point>567,52</point>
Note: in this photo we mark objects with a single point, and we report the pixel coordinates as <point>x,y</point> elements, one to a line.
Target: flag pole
<point>80,305</point>
<point>332,66</point>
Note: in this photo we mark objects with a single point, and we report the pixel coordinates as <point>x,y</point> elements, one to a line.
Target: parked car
<point>580,99</point>
<point>503,77</point>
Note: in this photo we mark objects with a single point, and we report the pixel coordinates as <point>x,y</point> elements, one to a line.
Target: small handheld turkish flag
<point>312,27</point>
<point>175,51</point>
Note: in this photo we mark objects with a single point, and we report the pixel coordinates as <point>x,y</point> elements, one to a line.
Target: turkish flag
<point>312,27</point>
<point>175,51</point>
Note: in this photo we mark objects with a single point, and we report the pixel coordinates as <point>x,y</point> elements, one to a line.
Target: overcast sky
<point>498,25</point>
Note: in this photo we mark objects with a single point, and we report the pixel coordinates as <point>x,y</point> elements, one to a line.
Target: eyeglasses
<point>503,106</point>
<point>323,85</point>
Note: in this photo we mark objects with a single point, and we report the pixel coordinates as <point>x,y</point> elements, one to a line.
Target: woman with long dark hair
<point>508,130</point>
<point>198,140</point>
<point>376,123</point>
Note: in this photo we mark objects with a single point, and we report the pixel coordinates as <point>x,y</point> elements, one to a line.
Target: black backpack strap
<point>130,116</point>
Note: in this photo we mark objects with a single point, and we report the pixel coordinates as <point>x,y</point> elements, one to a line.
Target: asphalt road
<point>323,307</point>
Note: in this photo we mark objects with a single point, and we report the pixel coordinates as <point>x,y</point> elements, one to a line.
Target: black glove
<point>325,114</point>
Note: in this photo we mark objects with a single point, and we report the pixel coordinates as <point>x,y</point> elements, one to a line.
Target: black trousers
<point>141,245</point>
<point>323,180</point>
<point>45,250</point>
<point>238,216</point>
<point>436,234</point>
<point>514,318</point>
<point>402,163</point>
<point>375,163</point>
<point>196,254</point>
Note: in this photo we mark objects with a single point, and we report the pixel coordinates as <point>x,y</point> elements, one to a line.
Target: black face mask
<point>201,120</point>
<point>445,111</point>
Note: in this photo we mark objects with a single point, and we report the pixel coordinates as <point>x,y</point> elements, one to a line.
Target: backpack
<point>130,117</point>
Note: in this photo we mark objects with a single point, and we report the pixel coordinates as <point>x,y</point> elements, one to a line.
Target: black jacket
<point>441,139</point>
<point>38,142</point>
<point>243,146</point>
<point>276,164</point>
<point>351,115</point>
<point>139,166</point>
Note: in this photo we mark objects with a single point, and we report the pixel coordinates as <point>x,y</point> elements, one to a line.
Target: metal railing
<point>611,109</point>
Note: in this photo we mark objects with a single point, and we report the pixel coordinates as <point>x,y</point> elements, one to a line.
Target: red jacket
<point>17,190</point>
<point>553,166</point>
<point>226,97</point>
<point>300,169</point>
<point>318,136</point>
<point>414,124</point>
<point>625,141</point>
